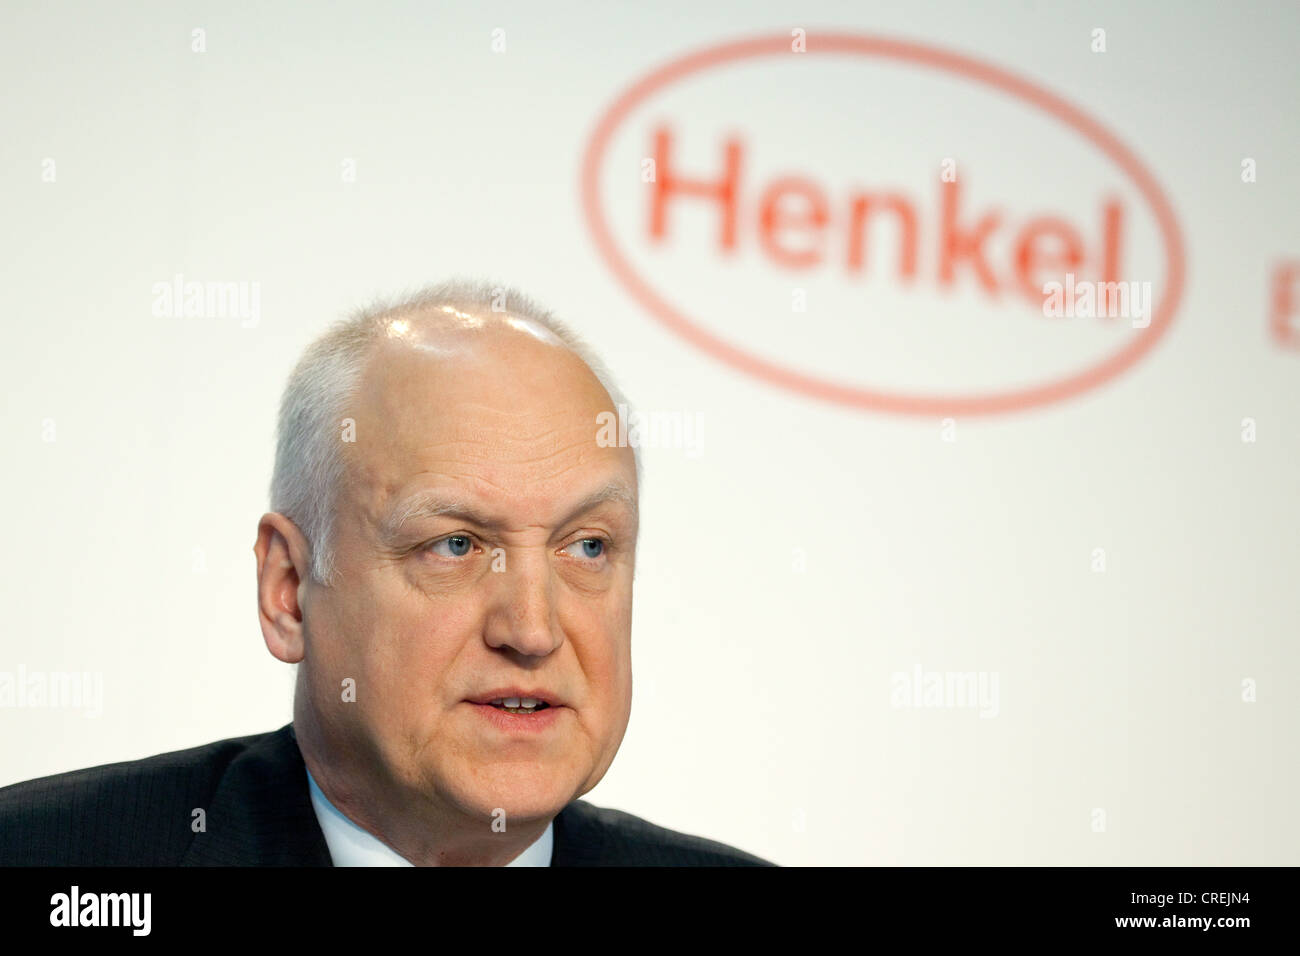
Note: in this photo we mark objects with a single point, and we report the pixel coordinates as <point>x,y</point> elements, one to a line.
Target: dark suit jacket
<point>259,813</point>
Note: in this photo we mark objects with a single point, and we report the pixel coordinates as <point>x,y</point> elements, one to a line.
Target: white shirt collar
<point>350,845</point>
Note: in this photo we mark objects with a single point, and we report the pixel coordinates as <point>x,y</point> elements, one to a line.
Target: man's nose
<point>522,616</point>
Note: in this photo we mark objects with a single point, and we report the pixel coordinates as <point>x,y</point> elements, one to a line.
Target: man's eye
<point>456,546</point>
<point>589,549</point>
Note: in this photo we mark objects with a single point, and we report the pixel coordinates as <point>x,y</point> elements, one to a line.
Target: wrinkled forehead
<point>504,414</point>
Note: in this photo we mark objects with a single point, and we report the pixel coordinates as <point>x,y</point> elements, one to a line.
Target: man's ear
<point>282,564</point>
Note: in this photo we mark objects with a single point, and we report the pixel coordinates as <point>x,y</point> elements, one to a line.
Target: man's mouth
<point>519,705</point>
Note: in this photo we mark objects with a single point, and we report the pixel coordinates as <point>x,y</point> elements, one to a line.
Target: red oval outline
<point>867,45</point>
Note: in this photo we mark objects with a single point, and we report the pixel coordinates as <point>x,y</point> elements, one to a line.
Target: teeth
<point>519,705</point>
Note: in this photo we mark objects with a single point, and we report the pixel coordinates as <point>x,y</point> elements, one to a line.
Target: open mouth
<point>519,705</point>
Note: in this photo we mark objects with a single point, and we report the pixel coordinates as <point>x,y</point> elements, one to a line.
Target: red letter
<point>1030,258</point>
<point>1284,304</point>
<point>907,231</point>
<point>955,244</point>
<point>1111,213</point>
<point>723,190</point>
<point>773,218</point>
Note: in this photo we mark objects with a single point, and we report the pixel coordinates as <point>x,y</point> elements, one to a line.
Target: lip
<point>501,693</point>
<point>518,723</point>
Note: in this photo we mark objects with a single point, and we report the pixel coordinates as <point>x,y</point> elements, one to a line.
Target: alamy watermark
<point>920,688</point>
<point>179,299</point>
<point>1086,299</point>
<point>656,429</point>
<point>75,908</point>
<point>70,690</point>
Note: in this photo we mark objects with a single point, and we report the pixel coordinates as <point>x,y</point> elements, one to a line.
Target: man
<point>449,561</point>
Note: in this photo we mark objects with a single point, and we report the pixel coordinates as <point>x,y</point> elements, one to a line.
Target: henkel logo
<point>882,224</point>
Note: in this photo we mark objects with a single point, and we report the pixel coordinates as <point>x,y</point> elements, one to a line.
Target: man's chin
<point>511,793</point>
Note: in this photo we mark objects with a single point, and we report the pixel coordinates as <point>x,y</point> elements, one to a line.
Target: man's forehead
<point>502,411</point>
<point>492,466</point>
<point>500,509</point>
<point>506,386</point>
<point>498,438</point>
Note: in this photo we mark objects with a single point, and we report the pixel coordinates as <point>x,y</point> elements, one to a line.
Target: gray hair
<point>309,461</point>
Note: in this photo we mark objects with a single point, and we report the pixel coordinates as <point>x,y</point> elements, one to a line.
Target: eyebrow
<point>434,504</point>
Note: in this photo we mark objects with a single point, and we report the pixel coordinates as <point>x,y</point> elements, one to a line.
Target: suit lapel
<point>261,812</point>
<point>578,839</point>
